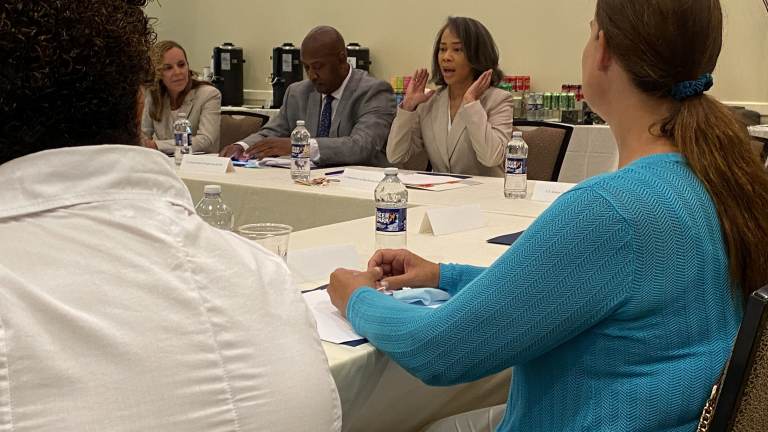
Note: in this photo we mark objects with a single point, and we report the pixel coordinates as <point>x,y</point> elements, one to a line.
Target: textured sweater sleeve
<point>454,277</point>
<point>571,268</point>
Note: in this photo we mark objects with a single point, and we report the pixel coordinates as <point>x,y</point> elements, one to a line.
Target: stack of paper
<point>368,179</point>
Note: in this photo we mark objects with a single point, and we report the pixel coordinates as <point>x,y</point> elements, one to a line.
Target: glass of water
<point>273,237</point>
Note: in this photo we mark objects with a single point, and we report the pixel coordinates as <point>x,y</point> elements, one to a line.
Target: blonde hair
<point>158,90</point>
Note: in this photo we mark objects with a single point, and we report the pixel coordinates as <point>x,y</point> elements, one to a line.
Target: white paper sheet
<point>368,179</point>
<point>315,264</point>
<point>284,162</point>
<point>331,326</point>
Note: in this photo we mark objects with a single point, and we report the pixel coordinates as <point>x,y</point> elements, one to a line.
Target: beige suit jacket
<point>475,145</point>
<point>202,105</point>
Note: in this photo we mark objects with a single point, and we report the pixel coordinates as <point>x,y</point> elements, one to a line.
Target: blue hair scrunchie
<point>686,89</point>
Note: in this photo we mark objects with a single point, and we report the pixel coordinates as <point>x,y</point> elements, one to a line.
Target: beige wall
<point>541,38</point>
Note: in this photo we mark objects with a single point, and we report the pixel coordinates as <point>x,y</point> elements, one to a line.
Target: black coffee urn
<point>228,73</point>
<point>286,70</point>
<point>358,57</point>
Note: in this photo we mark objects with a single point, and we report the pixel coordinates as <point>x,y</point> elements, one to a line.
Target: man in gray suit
<point>348,112</point>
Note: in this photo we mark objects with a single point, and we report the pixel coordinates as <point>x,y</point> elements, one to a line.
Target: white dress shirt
<point>314,148</point>
<point>121,310</point>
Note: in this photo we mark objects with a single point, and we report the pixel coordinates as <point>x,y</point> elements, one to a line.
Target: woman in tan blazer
<point>177,91</point>
<point>465,125</point>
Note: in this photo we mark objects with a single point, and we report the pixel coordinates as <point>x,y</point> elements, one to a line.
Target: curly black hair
<point>70,74</point>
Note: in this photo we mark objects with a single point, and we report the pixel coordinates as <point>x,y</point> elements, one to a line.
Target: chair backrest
<point>740,399</point>
<point>748,117</point>
<point>547,144</point>
<point>236,125</point>
<point>760,146</point>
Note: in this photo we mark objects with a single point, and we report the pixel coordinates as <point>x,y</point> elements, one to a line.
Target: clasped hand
<point>268,147</point>
<point>390,269</point>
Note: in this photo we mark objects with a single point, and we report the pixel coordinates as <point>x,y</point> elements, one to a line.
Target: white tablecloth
<point>592,150</point>
<point>376,394</point>
<point>269,195</point>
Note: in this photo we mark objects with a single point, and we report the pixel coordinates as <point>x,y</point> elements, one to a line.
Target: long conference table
<point>377,394</point>
<point>592,149</point>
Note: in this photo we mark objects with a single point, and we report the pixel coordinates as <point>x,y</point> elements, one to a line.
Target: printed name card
<point>206,164</point>
<point>449,220</point>
<point>549,191</point>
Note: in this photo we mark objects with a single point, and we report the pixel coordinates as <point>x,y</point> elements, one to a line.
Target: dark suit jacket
<point>360,124</point>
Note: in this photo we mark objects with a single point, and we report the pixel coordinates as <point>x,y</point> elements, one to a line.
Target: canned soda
<point>547,101</point>
<point>571,101</point>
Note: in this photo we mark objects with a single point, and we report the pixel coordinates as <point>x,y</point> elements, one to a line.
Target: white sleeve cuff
<point>314,150</point>
<point>243,145</point>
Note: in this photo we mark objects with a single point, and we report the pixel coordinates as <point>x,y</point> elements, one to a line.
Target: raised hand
<point>416,93</point>
<point>478,87</point>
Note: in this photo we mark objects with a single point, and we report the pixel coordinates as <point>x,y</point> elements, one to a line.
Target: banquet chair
<point>740,396</point>
<point>547,145</point>
<point>236,125</point>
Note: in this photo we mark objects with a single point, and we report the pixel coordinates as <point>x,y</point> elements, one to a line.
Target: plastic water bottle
<point>391,211</point>
<point>213,210</point>
<point>300,164</point>
<point>182,135</point>
<point>516,178</point>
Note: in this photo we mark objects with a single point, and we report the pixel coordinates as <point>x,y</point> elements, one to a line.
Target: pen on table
<point>334,172</point>
<point>459,176</point>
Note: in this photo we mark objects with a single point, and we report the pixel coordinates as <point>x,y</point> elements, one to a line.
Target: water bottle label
<point>391,220</point>
<point>297,150</point>
<point>517,165</point>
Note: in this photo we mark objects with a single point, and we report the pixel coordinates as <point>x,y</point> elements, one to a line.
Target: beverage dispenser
<point>228,73</point>
<point>286,70</point>
<point>358,57</point>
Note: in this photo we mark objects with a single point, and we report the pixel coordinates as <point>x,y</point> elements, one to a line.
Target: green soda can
<point>547,101</point>
<point>555,101</point>
<point>571,101</point>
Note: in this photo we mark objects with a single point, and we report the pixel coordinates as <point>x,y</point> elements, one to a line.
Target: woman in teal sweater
<point>619,305</point>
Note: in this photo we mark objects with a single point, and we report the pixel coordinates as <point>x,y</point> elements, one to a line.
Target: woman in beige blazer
<point>465,125</point>
<point>177,91</point>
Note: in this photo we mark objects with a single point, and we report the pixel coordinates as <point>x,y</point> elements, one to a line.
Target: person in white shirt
<point>120,309</point>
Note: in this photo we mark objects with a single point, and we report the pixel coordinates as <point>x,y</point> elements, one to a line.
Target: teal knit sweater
<point>614,308</point>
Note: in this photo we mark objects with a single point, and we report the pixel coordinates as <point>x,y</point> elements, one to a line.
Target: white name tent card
<point>314,264</point>
<point>549,191</point>
<point>206,164</point>
<point>449,220</point>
